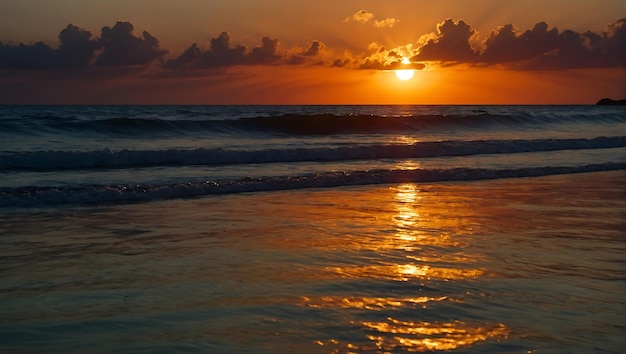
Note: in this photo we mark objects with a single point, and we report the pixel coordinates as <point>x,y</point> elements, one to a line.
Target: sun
<point>405,74</point>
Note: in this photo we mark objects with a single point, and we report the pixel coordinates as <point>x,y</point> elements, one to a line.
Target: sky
<point>325,52</point>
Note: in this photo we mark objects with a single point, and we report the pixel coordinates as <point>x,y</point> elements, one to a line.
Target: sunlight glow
<point>405,74</point>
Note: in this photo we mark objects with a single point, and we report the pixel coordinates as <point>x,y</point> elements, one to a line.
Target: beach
<point>511,265</point>
<point>375,177</point>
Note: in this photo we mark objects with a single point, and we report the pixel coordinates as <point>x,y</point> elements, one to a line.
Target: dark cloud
<point>190,57</point>
<point>76,50</point>
<point>338,63</point>
<point>122,48</point>
<point>454,42</point>
<point>314,49</point>
<point>266,53</point>
<point>34,56</point>
<point>398,65</point>
<point>450,43</point>
<point>222,54</point>
<point>545,48</point>
<point>390,63</point>
<point>541,47</point>
<point>371,64</point>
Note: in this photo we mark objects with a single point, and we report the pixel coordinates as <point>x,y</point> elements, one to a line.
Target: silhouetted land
<point>610,102</point>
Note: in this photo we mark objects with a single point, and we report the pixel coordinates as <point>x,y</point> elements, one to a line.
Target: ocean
<point>312,229</point>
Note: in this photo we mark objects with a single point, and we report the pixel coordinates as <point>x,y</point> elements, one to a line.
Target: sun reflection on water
<point>404,139</point>
<point>413,227</point>
<point>424,336</point>
<point>405,272</point>
<point>428,251</point>
<point>414,238</point>
<point>418,336</point>
<point>368,303</point>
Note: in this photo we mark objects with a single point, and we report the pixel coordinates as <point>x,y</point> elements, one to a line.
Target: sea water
<point>269,229</point>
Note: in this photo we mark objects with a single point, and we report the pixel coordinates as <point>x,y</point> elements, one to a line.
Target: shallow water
<point>508,266</point>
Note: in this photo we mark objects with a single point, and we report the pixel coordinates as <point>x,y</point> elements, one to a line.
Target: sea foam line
<point>98,194</point>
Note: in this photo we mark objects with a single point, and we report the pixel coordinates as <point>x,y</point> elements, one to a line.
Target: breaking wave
<point>292,124</point>
<point>108,159</point>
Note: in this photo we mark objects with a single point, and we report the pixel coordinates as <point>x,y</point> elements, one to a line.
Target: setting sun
<point>405,74</point>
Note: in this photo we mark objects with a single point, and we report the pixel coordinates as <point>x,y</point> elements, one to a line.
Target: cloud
<point>76,50</point>
<point>385,59</point>
<point>189,57</point>
<point>400,65</point>
<point>317,53</point>
<point>266,53</point>
<point>388,22</point>
<point>545,48</point>
<point>454,42</point>
<point>222,54</point>
<point>122,48</point>
<point>314,49</point>
<point>538,48</point>
<point>390,64</point>
<point>364,17</point>
<point>35,56</point>
<point>450,43</point>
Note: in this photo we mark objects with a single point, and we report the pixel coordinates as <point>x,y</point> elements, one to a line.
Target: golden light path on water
<point>411,233</point>
<point>367,303</point>
<point>415,228</point>
<point>431,336</point>
<point>425,336</point>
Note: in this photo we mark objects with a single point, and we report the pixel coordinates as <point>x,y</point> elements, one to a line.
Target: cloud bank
<point>453,42</point>
<point>541,47</point>
<point>76,50</point>
<point>117,46</point>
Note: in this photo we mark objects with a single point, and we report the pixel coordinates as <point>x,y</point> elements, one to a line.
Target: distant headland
<point>610,102</point>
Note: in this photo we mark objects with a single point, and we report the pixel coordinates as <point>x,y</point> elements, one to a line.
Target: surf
<point>125,193</point>
<point>111,159</point>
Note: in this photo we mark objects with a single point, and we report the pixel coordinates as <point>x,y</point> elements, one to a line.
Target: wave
<point>293,124</point>
<point>329,124</point>
<point>99,194</point>
<point>108,159</point>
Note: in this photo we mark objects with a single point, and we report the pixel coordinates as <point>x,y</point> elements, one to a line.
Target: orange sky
<point>285,52</point>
